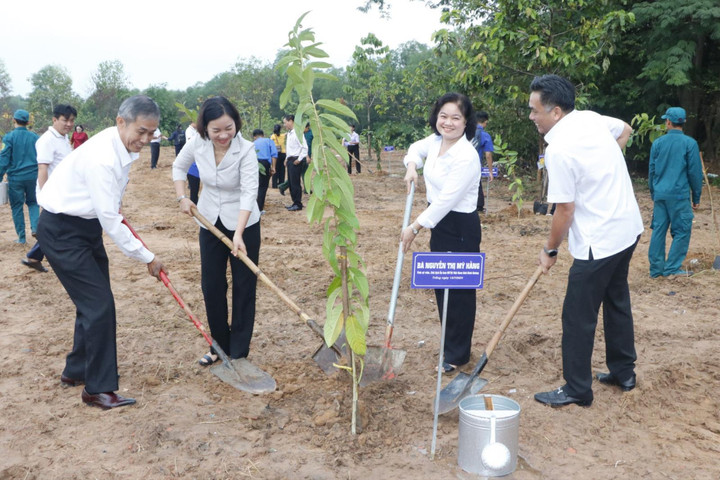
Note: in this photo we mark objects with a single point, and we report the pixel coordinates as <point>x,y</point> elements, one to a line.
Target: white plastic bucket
<point>3,193</point>
<point>474,432</point>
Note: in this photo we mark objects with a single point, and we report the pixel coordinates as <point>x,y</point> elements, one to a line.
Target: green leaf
<point>355,335</point>
<point>338,122</point>
<point>336,107</point>
<point>333,324</point>
<point>360,281</point>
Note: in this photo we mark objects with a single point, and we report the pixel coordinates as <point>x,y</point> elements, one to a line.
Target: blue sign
<point>486,172</point>
<point>389,148</point>
<point>455,270</point>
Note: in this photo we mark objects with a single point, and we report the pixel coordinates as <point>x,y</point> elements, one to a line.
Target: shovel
<point>239,373</point>
<point>383,363</point>
<point>324,356</point>
<point>463,384</point>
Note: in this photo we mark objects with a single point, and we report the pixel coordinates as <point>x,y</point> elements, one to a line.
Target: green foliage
<point>332,187</point>
<point>508,159</point>
<point>52,85</point>
<point>644,126</point>
<point>331,204</point>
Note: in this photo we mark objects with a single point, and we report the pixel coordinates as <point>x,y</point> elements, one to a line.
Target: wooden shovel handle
<point>513,310</point>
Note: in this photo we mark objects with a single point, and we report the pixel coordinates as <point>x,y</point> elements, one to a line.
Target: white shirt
<point>586,166</point>
<point>227,188</point>
<point>90,183</point>
<point>157,136</point>
<point>190,132</point>
<point>451,181</point>
<point>354,139</point>
<point>295,147</point>
<point>52,148</point>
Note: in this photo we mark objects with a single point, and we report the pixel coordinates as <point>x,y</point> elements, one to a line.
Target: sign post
<point>451,270</point>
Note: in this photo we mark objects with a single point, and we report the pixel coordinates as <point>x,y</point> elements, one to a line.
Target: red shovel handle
<point>166,281</point>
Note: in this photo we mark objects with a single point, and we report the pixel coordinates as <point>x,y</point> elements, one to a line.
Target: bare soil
<point>189,424</point>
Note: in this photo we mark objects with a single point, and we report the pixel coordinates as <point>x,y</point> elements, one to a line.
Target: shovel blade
<point>326,358</point>
<point>460,387</point>
<point>381,363</point>
<point>245,376</point>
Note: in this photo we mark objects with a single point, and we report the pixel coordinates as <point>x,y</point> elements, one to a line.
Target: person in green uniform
<point>675,179</point>
<point>19,160</point>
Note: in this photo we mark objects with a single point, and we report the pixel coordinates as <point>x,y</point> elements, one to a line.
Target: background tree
<point>111,87</point>
<point>366,81</point>
<point>51,85</point>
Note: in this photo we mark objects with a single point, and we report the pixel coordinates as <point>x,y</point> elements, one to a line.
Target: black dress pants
<point>154,154</point>
<point>235,338</point>
<point>353,152</point>
<point>264,182</point>
<point>591,283</point>
<point>294,176</point>
<point>457,232</point>
<point>74,248</point>
<point>279,176</point>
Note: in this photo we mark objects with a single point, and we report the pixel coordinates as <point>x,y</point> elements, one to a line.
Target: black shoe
<point>294,208</point>
<point>35,265</point>
<point>558,398</point>
<point>282,190</point>
<point>610,379</point>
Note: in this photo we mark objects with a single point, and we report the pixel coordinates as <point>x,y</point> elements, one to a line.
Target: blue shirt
<point>483,142</point>
<point>675,168</point>
<point>265,148</point>
<point>19,157</point>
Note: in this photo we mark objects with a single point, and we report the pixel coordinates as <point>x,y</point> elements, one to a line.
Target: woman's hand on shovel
<point>185,206</point>
<point>155,267</point>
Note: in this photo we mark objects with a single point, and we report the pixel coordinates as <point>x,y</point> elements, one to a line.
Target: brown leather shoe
<point>106,400</point>
<point>66,382</point>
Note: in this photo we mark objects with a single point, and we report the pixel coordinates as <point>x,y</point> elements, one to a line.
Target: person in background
<point>78,137</point>
<point>675,179</point>
<point>177,138</point>
<point>598,213</point>
<point>80,200</point>
<point>193,176</point>
<point>484,145</point>
<point>353,148</point>
<point>451,169</point>
<point>229,171</point>
<point>297,151</point>
<point>308,134</point>
<point>18,159</point>
<point>279,138</point>
<point>52,147</point>
<point>267,157</point>
<point>155,148</point>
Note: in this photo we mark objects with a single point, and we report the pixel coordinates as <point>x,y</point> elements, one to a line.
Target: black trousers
<point>591,283</point>
<point>235,338</point>
<point>154,154</point>
<point>74,248</point>
<point>457,232</point>
<point>264,183</point>
<point>194,186</point>
<point>353,152</point>
<point>294,176</point>
<point>279,176</point>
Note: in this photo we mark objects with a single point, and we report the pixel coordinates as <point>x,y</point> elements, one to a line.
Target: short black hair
<point>258,132</point>
<point>289,117</point>
<point>214,108</point>
<point>465,105</point>
<point>276,129</point>
<point>555,91</point>
<point>66,111</point>
<point>482,116</point>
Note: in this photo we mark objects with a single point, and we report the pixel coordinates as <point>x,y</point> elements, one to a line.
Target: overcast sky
<point>179,42</point>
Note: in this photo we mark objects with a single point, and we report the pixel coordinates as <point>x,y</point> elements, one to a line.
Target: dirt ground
<point>189,424</point>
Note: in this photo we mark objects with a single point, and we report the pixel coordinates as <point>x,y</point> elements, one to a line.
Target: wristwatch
<point>550,252</point>
<point>180,198</point>
<point>415,232</point>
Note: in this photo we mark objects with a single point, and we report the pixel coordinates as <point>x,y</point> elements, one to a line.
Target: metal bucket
<point>474,432</point>
<point>3,193</point>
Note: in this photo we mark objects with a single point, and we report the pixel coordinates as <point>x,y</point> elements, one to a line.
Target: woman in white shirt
<point>227,164</point>
<point>451,168</point>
